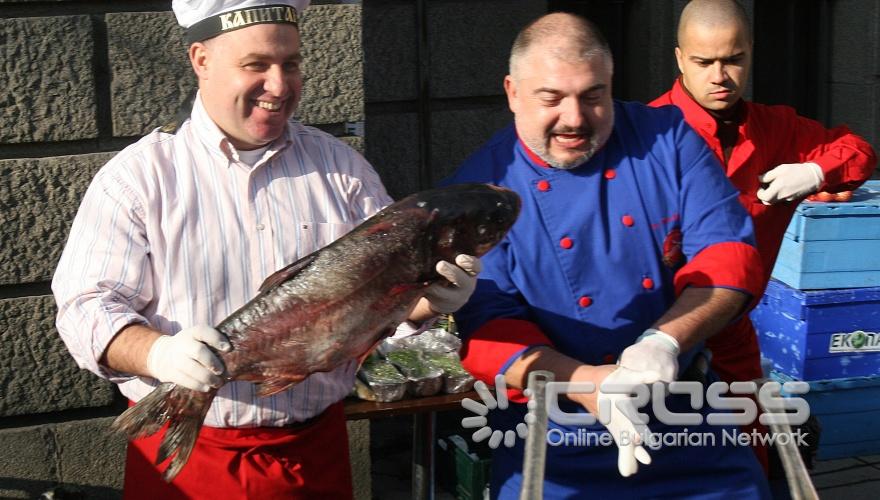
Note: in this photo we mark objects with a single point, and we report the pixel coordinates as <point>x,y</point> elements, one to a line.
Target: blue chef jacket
<point>598,254</point>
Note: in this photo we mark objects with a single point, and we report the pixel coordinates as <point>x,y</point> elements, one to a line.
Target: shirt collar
<point>207,130</point>
<point>697,116</point>
<point>533,157</point>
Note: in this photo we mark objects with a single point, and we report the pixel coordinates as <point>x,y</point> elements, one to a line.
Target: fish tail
<point>182,409</point>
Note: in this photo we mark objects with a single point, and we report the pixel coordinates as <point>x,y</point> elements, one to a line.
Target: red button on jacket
<point>610,174</point>
<point>566,243</point>
<point>543,185</point>
<point>585,301</point>
<point>647,283</point>
<point>627,220</point>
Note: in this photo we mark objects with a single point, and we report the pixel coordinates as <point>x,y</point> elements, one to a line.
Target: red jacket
<point>770,136</point>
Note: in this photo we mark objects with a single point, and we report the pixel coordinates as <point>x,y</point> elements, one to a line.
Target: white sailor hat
<point>204,19</point>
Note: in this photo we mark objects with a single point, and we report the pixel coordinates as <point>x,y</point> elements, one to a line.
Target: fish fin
<point>184,410</point>
<point>275,385</point>
<point>287,272</point>
<point>380,226</point>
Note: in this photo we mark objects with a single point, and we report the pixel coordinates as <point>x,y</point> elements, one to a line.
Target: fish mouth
<point>468,218</point>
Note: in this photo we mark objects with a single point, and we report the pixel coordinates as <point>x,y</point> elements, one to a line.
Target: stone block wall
<point>80,81</point>
<point>433,74</point>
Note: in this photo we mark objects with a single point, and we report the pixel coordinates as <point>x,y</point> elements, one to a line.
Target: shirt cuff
<point>119,324</point>
<point>495,346</point>
<point>733,265</point>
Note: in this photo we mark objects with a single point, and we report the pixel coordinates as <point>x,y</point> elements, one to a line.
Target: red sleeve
<point>726,265</point>
<point>846,159</point>
<point>488,351</point>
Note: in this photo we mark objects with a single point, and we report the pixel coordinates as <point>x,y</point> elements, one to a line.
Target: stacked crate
<point>819,319</point>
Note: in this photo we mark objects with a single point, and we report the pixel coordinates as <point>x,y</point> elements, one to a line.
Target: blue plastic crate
<point>847,410</point>
<point>834,244</point>
<point>820,334</point>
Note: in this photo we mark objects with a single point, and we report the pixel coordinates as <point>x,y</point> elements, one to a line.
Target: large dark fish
<point>333,305</point>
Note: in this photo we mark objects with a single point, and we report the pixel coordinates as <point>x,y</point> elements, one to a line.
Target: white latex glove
<point>449,296</point>
<point>655,353</point>
<point>790,181</point>
<point>622,424</point>
<point>185,359</point>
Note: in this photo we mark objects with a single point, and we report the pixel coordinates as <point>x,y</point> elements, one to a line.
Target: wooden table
<point>424,412</point>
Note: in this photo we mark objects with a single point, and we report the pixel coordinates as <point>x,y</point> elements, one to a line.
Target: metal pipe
<point>536,442</point>
<point>424,425</point>
<point>800,485</point>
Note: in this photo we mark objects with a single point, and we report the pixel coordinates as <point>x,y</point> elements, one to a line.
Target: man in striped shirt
<point>179,229</point>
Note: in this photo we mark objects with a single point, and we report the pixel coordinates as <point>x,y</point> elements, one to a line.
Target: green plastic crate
<point>471,475</point>
<point>463,467</point>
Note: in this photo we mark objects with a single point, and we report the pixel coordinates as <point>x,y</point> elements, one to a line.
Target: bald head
<point>714,52</point>
<point>563,36</point>
<point>713,14</point>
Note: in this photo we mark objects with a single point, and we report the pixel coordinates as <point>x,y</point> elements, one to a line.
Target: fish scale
<point>333,305</point>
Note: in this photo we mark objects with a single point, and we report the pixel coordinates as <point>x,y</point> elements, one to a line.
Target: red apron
<point>302,461</point>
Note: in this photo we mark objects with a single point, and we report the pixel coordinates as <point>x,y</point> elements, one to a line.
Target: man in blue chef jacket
<point>631,250</point>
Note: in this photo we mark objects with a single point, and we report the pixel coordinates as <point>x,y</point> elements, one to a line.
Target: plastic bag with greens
<point>424,379</point>
<point>455,377</point>
<point>382,378</point>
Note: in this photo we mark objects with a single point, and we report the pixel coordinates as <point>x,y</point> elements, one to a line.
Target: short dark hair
<point>582,36</point>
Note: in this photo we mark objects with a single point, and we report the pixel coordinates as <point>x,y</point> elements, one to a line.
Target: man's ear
<point>679,59</point>
<point>198,57</point>
<point>510,90</point>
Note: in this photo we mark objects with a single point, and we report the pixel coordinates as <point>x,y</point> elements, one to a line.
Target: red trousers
<point>736,357</point>
<point>303,461</point>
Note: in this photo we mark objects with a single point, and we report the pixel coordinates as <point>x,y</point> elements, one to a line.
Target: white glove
<point>448,297</point>
<point>655,353</point>
<point>622,425</point>
<point>185,360</point>
<point>790,181</point>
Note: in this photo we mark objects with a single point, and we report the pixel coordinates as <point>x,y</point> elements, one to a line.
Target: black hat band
<point>241,18</point>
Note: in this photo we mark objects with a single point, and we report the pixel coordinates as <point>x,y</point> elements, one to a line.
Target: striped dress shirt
<point>175,231</point>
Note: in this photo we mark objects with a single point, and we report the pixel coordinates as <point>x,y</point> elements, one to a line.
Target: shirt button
<point>608,359</point>
<point>627,220</point>
<point>260,227</point>
<point>543,185</point>
<point>585,301</point>
<point>566,243</point>
<point>647,283</point>
<point>610,174</point>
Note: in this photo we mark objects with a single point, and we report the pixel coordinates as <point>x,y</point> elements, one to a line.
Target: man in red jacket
<point>774,157</point>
